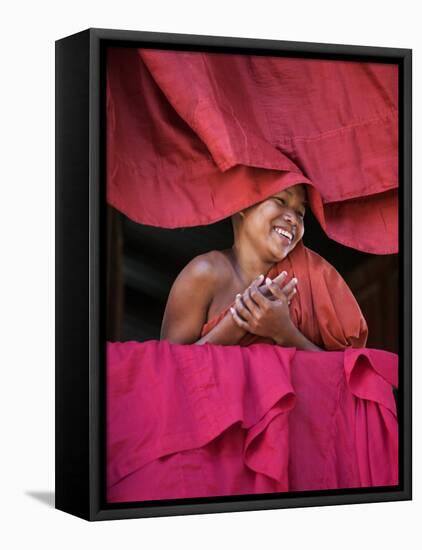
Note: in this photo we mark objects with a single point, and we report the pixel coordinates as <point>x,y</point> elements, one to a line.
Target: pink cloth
<point>195,137</point>
<point>198,421</point>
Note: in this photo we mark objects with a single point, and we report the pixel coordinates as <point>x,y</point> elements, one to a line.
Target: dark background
<point>143,262</point>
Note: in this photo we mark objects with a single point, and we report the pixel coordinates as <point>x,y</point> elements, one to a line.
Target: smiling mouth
<point>284,235</point>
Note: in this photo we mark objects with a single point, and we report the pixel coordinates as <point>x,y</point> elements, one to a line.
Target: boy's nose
<point>290,217</point>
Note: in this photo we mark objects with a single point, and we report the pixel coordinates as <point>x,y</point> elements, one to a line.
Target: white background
<point>27,37</point>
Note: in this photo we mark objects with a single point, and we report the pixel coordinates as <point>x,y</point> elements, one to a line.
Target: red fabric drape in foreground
<point>194,137</point>
<point>198,421</point>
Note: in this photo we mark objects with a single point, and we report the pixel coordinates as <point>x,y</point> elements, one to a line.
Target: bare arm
<point>225,333</point>
<point>298,340</point>
<point>187,308</point>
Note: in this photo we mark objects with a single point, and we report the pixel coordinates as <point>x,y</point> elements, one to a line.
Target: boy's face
<point>275,225</point>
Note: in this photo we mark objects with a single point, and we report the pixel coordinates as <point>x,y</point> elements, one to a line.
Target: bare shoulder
<point>210,268</point>
<point>190,297</point>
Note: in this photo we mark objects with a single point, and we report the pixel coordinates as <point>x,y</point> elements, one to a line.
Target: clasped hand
<point>264,310</point>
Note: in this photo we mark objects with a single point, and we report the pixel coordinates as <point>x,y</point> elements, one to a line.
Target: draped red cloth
<point>194,137</point>
<point>199,421</point>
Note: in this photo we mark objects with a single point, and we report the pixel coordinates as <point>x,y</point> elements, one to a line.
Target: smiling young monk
<point>267,288</point>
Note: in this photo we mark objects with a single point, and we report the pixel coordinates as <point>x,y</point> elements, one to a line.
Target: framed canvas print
<point>233,282</point>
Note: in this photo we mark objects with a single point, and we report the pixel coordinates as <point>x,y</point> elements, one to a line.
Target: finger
<point>280,277</point>
<point>263,289</point>
<point>248,300</point>
<point>240,322</point>
<point>275,289</point>
<point>257,281</point>
<point>278,281</point>
<point>290,296</point>
<point>242,311</point>
<point>254,285</point>
<point>290,286</point>
<point>260,300</point>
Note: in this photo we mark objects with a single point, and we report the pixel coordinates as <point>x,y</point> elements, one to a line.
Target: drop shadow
<point>46,497</point>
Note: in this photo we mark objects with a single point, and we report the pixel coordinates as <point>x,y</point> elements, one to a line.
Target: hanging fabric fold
<point>194,137</point>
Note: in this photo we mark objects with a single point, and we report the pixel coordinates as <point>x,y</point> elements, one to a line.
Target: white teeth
<point>284,233</point>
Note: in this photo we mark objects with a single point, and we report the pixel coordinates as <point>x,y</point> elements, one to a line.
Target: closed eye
<point>284,203</point>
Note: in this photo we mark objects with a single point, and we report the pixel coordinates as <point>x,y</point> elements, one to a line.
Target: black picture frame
<point>80,284</point>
